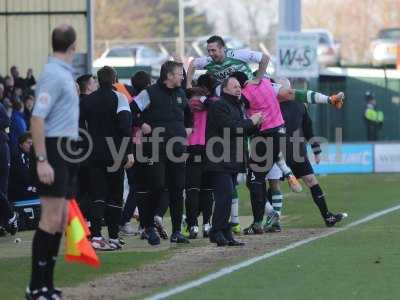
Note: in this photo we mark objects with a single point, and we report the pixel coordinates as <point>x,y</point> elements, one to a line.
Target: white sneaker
<point>136,214</point>
<point>127,229</point>
<point>99,243</point>
<point>206,230</point>
<point>115,244</point>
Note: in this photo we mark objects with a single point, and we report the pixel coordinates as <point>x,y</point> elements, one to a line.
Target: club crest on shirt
<point>43,99</point>
<point>179,100</point>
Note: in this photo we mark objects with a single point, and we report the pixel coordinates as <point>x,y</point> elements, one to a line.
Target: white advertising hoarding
<point>297,55</point>
<point>387,158</point>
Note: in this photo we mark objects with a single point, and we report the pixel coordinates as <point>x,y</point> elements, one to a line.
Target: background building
<point>26,25</point>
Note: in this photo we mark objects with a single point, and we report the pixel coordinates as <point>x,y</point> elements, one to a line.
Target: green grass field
<point>360,263</point>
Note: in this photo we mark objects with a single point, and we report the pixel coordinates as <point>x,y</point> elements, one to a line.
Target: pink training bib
<point>262,98</point>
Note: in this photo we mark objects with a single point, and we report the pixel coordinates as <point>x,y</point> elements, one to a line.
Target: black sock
<point>42,240</point>
<point>206,204</point>
<point>257,199</point>
<point>319,200</point>
<point>192,206</point>
<point>52,258</point>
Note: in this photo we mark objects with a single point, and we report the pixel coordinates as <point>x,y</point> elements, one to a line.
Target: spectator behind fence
<point>373,117</point>
<point>21,184</point>
<point>1,90</point>
<point>24,84</point>
<point>8,87</point>
<point>18,125</point>
<point>29,101</point>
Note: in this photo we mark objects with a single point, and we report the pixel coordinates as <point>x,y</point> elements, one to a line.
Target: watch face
<point>40,158</point>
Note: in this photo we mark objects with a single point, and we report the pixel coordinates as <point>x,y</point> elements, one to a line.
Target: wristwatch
<point>41,158</point>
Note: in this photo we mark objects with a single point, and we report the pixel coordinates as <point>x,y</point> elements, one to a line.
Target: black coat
<point>21,180</point>
<point>4,124</point>
<point>99,112</point>
<point>227,115</point>
<point>167,111</point>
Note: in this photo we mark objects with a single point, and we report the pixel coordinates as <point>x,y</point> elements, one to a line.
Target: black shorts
<point>65,172</point>
<point>300,169</point>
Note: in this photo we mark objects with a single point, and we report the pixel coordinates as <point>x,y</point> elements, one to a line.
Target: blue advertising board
<point>344,158</point>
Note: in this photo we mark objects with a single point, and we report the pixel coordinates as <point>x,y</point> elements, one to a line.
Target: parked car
<point>129,56</point>
<point>328,49</point>
<point>384,47</point>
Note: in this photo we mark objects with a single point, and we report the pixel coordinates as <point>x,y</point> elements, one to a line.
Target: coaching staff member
<point>226,115</point>
<point>54,120</point>
<point>109,123</point>
<point>161,106</point>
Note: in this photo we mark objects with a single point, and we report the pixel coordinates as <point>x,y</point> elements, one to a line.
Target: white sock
<point>313,97</point>
<point>268,209</point>
<point>277,199</point>
<point>235,211</point>
<point>281,163</point>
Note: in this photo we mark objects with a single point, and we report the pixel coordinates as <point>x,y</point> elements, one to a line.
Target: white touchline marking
<point>246,263</point>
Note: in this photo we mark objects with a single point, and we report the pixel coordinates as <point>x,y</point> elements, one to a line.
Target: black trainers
<point>177,237</point>
<point>55,294</point>
<point>3,232</point>
<point>12,225</point>
<point>331,219</point>
<point>219,238</point>
<point>152,237</point>
<point>39,294</point>
<point>235,243</point>
<point>255,228</point>
<point>143,235</point>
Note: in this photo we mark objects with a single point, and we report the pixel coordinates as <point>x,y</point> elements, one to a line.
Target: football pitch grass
<point>362,262</point>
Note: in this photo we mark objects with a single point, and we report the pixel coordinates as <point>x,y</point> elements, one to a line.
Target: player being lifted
<point>220,63</point>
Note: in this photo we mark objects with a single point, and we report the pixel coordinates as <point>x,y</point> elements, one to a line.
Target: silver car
<point>328,49</point>
<point>129,56</point>
<point>384,47</point>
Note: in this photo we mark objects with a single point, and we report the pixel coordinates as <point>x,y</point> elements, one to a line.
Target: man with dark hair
<point>21,186</point>
<point>226,116</point>
<point>107,116</point>
<point>54,123</point>
<point>222,62</point>
<point>62,38</point>
<point>140,81</point>
<point>161,109</point>
<point>216,39</point>
<point>87,84</point>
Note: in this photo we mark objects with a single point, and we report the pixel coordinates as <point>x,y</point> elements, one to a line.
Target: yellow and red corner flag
<point>78,247</point>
